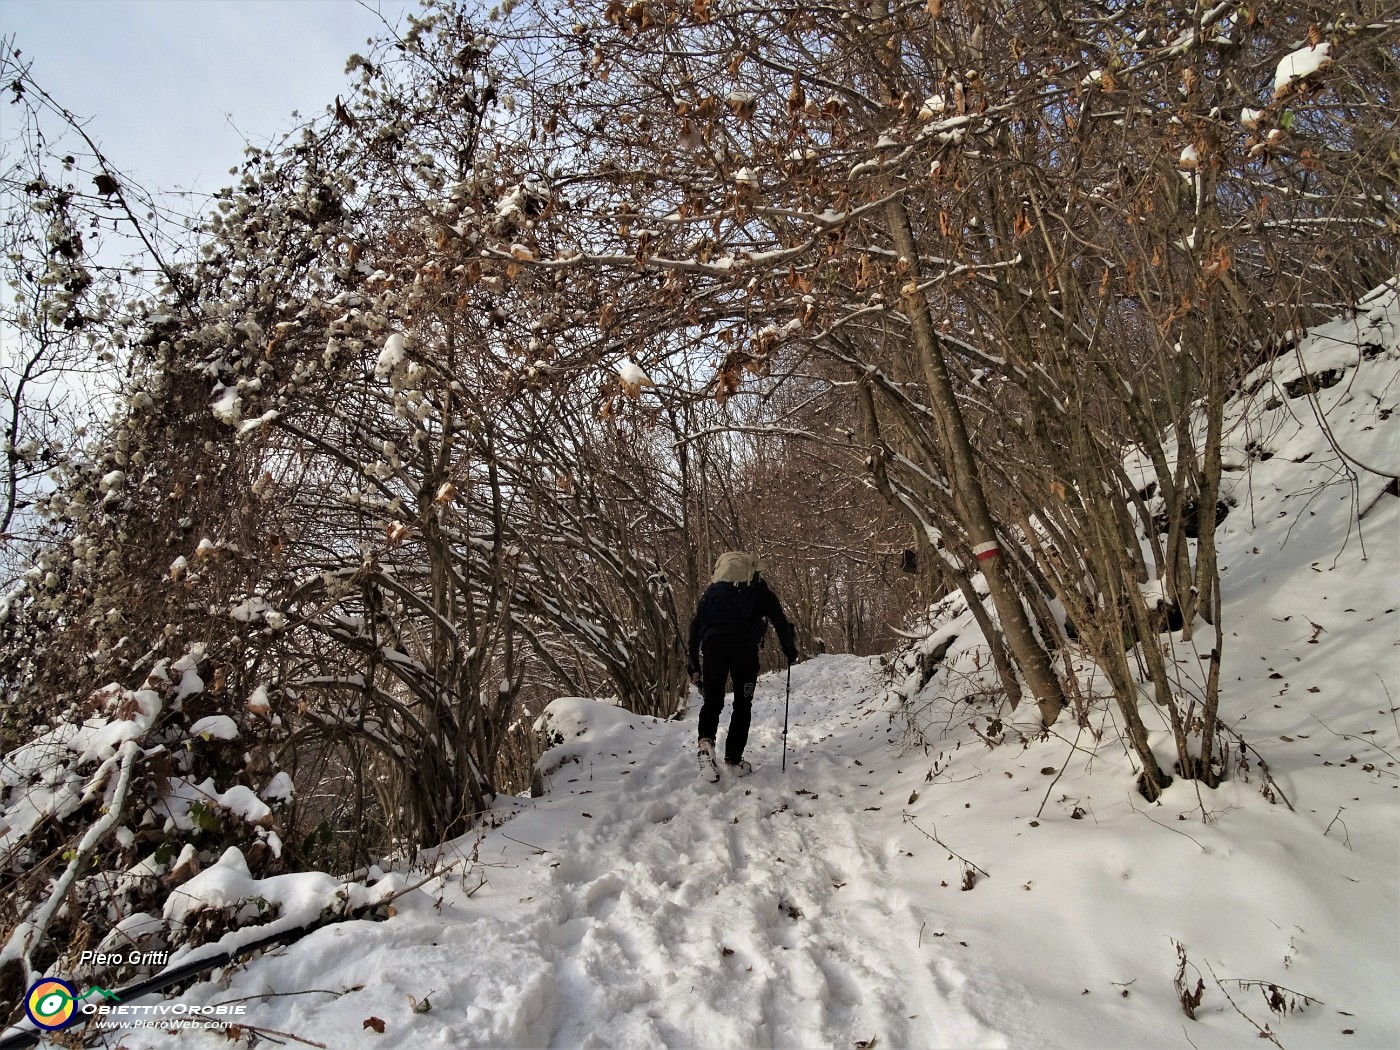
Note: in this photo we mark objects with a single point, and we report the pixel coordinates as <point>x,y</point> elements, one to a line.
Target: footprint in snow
<point>661,812</point>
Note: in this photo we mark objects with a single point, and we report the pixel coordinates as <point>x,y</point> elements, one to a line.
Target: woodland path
<point>755,912</point>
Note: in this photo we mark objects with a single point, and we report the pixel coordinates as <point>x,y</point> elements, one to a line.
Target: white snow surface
<point>392,357</point>
<point>215,727</point>
<point>228,406</point>
<point>279,787</point>
<point>1299,64</point>
<point>228,883</point>
<point>45,777</point>
<point>632,906</point>
<point>632,375</point>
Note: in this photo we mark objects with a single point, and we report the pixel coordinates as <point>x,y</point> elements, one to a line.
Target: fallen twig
<point>1348,736</point>
<point>524,843</point>
<point>1269,780</point>
<point>934,837</point>
<point>1263,1030</point>
<point>1168,827</point>
<point>1345,830</point>
<point>278,995</point>
<point>265,1032</point>
<point>1063,766</point>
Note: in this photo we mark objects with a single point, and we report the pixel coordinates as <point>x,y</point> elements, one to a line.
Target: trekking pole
<point>786,701</point>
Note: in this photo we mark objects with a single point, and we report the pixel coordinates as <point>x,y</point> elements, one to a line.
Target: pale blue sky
<point>173,87</point>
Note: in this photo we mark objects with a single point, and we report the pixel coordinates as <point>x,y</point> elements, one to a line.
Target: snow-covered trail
<point>756,912</point>
<point>636,906</point>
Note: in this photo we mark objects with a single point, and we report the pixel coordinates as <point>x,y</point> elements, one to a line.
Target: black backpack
<point>733,606</point>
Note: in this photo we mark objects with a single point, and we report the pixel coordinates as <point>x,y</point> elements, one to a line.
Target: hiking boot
<point>709,768</point>
<point>737,769</point>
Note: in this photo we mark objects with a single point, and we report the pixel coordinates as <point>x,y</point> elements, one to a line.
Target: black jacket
<point>741,610</point>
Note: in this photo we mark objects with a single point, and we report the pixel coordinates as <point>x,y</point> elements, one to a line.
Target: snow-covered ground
<point>887,891</point>
<point>634,907</point>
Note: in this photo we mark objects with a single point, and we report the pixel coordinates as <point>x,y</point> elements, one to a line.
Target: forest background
<point>446,407</point>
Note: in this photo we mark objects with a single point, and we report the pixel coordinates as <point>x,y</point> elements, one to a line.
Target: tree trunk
<point>977,520</point>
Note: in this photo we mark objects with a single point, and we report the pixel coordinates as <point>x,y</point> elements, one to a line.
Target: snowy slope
<point>812,908</point>
<point>927,889</point>
<point>648,910</point>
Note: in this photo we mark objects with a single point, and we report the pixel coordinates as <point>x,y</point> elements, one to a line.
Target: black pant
<point>724,656</point>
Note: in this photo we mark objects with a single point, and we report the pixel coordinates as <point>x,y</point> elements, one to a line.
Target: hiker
<point>725,636</point>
